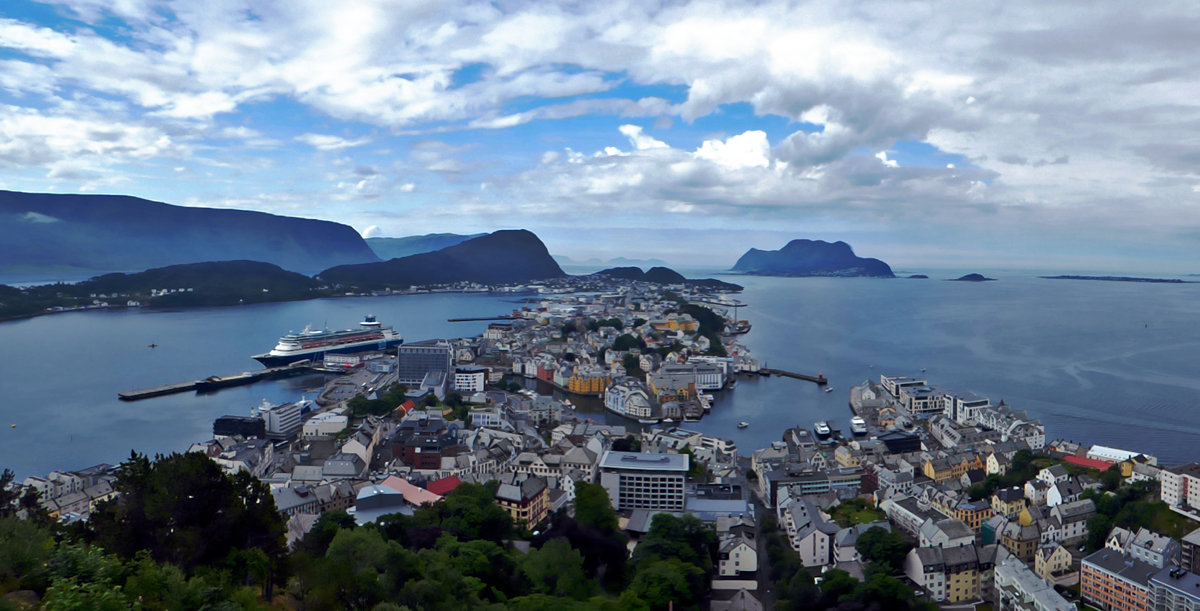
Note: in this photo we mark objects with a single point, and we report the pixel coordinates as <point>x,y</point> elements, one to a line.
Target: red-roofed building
<point>406,407</point>
<point>413,495</point>
<point>443,486</point>
<point>1090,463</point>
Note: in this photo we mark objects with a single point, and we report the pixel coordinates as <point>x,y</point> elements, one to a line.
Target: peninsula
<point>811,258</point>
<point>1121,279</point>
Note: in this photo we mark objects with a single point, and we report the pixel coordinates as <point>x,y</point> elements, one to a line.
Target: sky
<point>1048,135</point>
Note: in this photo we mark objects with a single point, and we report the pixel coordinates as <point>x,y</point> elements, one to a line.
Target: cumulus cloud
<point>326,142</point>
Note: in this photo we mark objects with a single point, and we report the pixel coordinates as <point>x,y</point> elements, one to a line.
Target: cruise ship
<point>310,345</point>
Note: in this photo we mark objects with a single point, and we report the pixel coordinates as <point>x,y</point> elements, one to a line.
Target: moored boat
<point>858,425</point>
<point>821,429</point>
<point>743,424</point>
<point>308,344</point>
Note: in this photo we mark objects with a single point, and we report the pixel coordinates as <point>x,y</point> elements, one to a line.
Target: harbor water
<point>1111,363</point>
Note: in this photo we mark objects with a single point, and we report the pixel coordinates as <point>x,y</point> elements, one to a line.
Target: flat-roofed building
<point>1111,580</point>
<point>414,361</point>
<point>637,480</point>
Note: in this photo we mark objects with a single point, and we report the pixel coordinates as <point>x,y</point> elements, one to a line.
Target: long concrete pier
<point>819,380</point>
<point>216,382</point>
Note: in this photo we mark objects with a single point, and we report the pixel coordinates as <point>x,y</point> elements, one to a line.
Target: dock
<point>217,382</point>
<point>482,318</point>
<point>819,380</point>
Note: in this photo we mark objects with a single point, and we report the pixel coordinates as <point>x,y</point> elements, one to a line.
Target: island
<point>665,275</point>
<point>972,278</point>
<point>1121,279</point>
<point>918,277</point>
<point>800,258</point>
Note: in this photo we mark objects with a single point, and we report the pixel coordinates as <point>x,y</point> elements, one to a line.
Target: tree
<point>685,538</point>
<point>627,342</point>
<point>593,507</point>
<point>884,547</point>
<point>1110,478</point>
<point>556,569</point>
<point>662,583</point>
<point>9,493</point>
<point>632,364</point>
<point>183,509</point>
<point>1098,527</point>
<point>628,443</point>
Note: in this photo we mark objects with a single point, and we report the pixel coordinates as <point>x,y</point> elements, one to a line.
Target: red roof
<point>443,486</point>
<point>406,407</point>
<point>1090,463</point>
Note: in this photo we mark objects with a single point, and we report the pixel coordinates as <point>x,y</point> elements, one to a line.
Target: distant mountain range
<point>89,234</point>
<point>497,258</point>
<point>616,261</point>
<point>394,248</point>
<point>811,258</point>
<point>664,275</point>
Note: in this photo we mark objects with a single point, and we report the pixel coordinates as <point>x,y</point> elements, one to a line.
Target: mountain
<point>497,258</point>
<point>811,258</point>
<point>625,262</point>
<point>194,284</point>
<point>55,233</point>
<point>394,248</point>
<point>665,275</point>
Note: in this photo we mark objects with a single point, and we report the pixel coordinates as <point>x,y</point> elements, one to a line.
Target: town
<point>932,497</point>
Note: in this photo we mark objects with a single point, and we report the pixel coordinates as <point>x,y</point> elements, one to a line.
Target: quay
<point>217,382</point>
<point>819,380</point>
<point>505,317</point>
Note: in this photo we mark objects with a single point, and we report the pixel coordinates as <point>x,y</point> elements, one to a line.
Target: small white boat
<point>821,429</point>
<point>858,425</point>
<point>743,424</point>
<point>828,389</point>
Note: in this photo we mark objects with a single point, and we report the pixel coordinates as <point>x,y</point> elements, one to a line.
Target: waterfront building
<point>894,384</point>
<point>1180,487</point>
<point>627,396</point>
<point>282,421</point>
<point>636,480</point>
<point>242,426</point>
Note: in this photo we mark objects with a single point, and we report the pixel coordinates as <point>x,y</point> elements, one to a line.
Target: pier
<point>216,382</point>
<point>819,380</point>
<point>506,317</point>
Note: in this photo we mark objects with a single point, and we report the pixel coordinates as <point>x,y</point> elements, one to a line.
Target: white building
<point>324,424</point>
<point>636,480</point>
<point>469,379</point>
<point>1018,588</point>
<point>283,421</point>
<point>1181,486</point>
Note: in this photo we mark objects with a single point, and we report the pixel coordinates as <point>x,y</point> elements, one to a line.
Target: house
<point>1008,501</point>
<point>1051,560</point>
<point>945,533</point>
<point>737,556</point>
<point>1052,474</point>
<point>526,499</point>
<point>1063,491</point>
<point>808,531</point>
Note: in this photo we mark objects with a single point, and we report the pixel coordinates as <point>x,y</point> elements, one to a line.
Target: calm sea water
<point>1099,362</point>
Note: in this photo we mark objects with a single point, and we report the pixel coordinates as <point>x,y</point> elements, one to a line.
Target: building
<point>415,361</point>
<point>244,426</point>
<point>526,500</point>
<point>1190,551</point>
<point>469,379</point>
<point>1016,588</point>
<point>1051,560</point>
<point>636,480</point>
<point>1181,486</point>
<point>283,421</point>
<point>1173,589</point>
<point>1114,581</point>
<point>809,533</point>
<point>628,397</point>
<point>948,574</point>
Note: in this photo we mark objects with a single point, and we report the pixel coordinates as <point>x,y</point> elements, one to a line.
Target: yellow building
<point>973,513</point>
<point>588,384</point>
<point>1008,501</point>
<point>676,322</point>
<point>1051,560</point>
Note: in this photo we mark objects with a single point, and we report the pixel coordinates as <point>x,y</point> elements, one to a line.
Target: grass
<point>856,511</point>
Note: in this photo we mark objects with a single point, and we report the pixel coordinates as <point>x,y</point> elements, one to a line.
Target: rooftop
<point>644,462</point>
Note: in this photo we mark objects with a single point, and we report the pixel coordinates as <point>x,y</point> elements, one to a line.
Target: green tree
<point>556,569</point>
<point>884,547</point>
<point>183,509</point>
<point>663,583</point>
<point>627,342</point>
<point>593,507</point>
<point>632,364</point>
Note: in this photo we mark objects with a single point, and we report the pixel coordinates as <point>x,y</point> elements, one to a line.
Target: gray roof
<point>641,461</point>
<point>1113,562</point>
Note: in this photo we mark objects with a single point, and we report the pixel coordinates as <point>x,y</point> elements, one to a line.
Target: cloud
<point>325,142</point>
<point>372,232</point>
<point>38,218</point>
